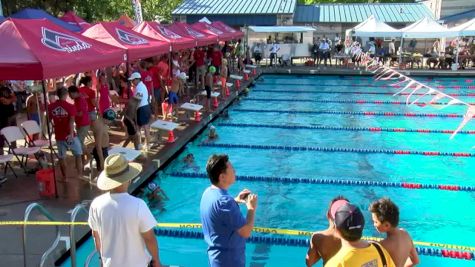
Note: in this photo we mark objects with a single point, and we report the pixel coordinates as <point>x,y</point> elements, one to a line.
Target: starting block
<point>129,153</point>
<point>237,80</point>
<point>246,75</point>
<point>165,126</point>
<point>253,69</point>
<point>193,107</point>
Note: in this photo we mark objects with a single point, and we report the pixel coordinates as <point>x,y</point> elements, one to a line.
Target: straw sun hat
<point>116,172</point>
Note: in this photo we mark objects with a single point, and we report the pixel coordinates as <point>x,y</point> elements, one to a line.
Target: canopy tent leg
<point>51,151</point>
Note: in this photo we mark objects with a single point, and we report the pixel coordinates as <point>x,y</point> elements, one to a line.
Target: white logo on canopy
<point>62,42</point>
<point>168,33</point>
<point>130,38</point>
<point>193,32</point>
<point>213,29</point>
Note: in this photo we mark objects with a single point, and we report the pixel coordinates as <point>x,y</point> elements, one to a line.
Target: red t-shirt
<point>163,69</point>
<point>216,58</point>
<point>147,80</point>
<point>89,95</point>
<point>81,106</point>
<point>199,58</point>
<point>61,112</point>
<point>155,72</point>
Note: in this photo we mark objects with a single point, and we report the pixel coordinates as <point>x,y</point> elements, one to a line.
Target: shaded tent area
<point>138,46</point>
<point>39,49</point>
<point>31,13</point>
<point>164,34</point>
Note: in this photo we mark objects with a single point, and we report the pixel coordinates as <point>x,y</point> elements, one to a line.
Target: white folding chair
<point>13,134</point>
<point>31,128</point>
<point>6,159</point>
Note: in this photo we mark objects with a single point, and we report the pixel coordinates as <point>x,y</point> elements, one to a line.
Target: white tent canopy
<point>205,20</point>
<point>465,29</point>
<point>372,27</point>
<point>281,29</point>
<point>427,28</point>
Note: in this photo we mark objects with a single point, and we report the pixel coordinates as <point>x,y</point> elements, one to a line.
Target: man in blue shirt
<point>224,227</point>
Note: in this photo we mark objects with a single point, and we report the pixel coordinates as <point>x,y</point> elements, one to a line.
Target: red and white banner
<point>137,7</point>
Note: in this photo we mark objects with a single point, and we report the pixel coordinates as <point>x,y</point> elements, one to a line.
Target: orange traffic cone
<point>197,116</point>
<point>171,137</point>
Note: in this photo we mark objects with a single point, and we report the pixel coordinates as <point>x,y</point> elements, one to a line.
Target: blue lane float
<point>301,242</point>
<point>334,181</point>
<point>362,113</point>
<point>339,149</point>
<point>333,128</point>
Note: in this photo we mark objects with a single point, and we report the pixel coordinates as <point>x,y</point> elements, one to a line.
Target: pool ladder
<point>69,240</point>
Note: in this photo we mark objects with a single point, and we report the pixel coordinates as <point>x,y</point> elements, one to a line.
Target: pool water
<point>429,215</point>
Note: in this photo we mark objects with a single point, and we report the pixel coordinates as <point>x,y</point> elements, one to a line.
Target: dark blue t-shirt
<point>221,219</point>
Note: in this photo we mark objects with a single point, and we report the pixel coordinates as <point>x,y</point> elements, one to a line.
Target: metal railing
<point>79,207</point>
<point>42,210</point>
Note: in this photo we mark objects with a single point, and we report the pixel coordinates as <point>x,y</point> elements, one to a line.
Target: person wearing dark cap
<point>354,252</point>
<point>325,244</point>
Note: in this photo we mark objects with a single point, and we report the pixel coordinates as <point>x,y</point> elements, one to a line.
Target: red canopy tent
<point>126,21</point>
<point>138,46</point>
<point>209,29</point>
<point>225,28</point>
<point>162,33</point>
<point>71,18</point>
<point>201,38</point>
<point>38,49</point>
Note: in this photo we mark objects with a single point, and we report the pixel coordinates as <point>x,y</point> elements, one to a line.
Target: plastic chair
<point>6,159</point>
<point>13,134</point>
<point>31,128</point>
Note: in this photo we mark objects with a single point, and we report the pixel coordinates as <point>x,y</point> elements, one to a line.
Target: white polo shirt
<point>142,93</point>
<point>120,219</point>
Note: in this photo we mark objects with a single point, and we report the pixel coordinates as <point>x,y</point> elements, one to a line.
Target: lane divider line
<point>361,102</point>
<point>264,230</point>
<point>358,113</point>
<point>335,181</point>
<point>456,87</point>
<point>340,149</point>
<point>346,92</point>
<point>351,129</point>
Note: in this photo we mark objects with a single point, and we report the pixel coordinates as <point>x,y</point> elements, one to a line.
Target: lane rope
<point>333,181</point>
<point>362,102</point>
<point>351,129</point>
<point>264,230</point>
<point>358,113</point>
<point>456,87</point>
<point>340,149</point>
<point>346,92</point>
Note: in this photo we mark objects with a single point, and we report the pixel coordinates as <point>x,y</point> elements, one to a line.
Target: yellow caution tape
<point>256,229</point>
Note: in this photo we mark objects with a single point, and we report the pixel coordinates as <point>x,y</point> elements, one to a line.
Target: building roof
<point>354,13</point>
<point>226,7</point>
<point>466,15</point>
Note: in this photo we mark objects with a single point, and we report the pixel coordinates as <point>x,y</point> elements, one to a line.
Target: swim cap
<point>109,114</point>
<point>152,186</point>
<point>335,206</point>
<point>212,69</point>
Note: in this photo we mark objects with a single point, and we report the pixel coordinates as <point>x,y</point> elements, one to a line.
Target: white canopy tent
<point>281,29</point>
<point>465,29</point>
<point>426,28</point>
<point>372,27</point>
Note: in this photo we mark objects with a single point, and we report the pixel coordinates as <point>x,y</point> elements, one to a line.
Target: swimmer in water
<point>212,135</point>
<point>156,197</point>
<point>189,161</point>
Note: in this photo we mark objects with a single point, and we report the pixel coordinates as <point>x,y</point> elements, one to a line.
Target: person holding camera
<point>225,229</point>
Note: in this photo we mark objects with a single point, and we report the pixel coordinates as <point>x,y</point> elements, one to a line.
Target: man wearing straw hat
<point>122,225</point>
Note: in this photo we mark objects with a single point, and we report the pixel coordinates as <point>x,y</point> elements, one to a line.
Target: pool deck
<point>17,193</point>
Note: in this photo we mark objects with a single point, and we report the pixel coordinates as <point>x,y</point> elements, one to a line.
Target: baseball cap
<point>349,221</point>
<point>134,76</point>
<point>335,206</point>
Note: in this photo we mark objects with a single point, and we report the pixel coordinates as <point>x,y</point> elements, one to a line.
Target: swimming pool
<point>293,138</point>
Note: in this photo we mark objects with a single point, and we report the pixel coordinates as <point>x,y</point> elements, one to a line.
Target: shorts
<point>201,70</point>
<point>157,95</point>
<point>208,92</point>
<point>105,153</point>
<point>63,147</point>
<point>82,133</point>
<point>143,115</point>
<point>130,127</point>
<point>93,115</point>
<point>172,98</point>
<point>35,117</point>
